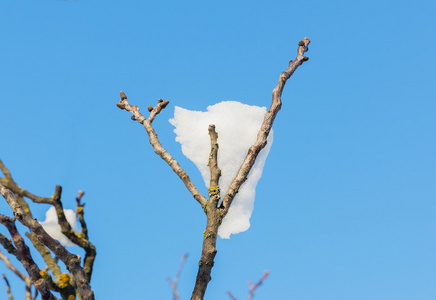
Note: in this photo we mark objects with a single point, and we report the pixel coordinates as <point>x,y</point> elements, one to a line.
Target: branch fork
<point>216,214</point>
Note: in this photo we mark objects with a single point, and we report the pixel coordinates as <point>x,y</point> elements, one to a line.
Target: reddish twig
<point>252,287</point>
<point>173,283</point>
<point>255,286</point>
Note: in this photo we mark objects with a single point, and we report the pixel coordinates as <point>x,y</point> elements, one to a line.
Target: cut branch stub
<point>215,172</point>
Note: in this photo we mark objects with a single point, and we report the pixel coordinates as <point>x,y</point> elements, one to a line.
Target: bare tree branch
<point>11,267</point>
<point>255,286</point>
<point>26,258</point>
<point>10,184</point>
<point>8,288</point>
<point>266,125</point>
<point>78,239</point>
<point>157,146</point>
<point>46,255</point>
<point>213,213</point>
<point>7,244</point>
<point>174,282</point>
<point>231,295</point>
<point>23,277</point>
<point>215,172</point>
<point>80,213</point>
<point>252,287</point>
<point>70,260</point>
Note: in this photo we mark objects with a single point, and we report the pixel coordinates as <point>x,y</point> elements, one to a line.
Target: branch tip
<point>123,96</point>
<point>165,103</point>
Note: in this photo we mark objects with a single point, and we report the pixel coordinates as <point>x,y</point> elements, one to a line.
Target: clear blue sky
<point>346,205</point>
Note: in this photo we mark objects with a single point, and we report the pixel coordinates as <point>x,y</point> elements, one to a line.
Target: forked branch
<point>26,258</point>
<point>216,214</point>
<point>157,146</point>
<point>70,260</point>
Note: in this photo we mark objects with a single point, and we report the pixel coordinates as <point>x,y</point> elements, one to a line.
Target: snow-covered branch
<point>188,134</point>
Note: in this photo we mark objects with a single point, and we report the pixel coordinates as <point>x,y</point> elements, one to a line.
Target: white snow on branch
<point>237,125</point>
<point>52,227</point>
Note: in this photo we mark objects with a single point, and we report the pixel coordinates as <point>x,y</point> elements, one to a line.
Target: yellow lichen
<point>64,280</point>
<point>44,274</point>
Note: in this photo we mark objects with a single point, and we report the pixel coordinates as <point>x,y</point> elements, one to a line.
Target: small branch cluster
<point>216,214</point>
<point>76,282</point>
<point>252,286</point>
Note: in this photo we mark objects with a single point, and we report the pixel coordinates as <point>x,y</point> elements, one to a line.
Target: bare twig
<point>213,213</point>
<point>255,286</point>
<point>23,277</point>
<point>51,262</point>
<point>11,267</point>
<point>8,288</point>
<point>266,125</point>
<point>157,146</point>
<point>7,244</point>
<point>26,258</point>
<point>231,295</point>
<point>174,282</point>
<point>80,240</point>
<point>252,287</point>
<point>10,184</point>
<point>70,260</point>
<point>80,213</point>
<point>215,172</point>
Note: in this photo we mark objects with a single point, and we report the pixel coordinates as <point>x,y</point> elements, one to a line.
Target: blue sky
<point>345,208</point>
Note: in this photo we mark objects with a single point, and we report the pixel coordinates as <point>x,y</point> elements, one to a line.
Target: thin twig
<point>8,288</point>
<point>11,267</point>
<point>268,121</point>
<point>252,287</point>
<point>23,277</point>
<point>157,146</point>
<point>80,214</point>
<point>255,286</point>
<point>173,283</point>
